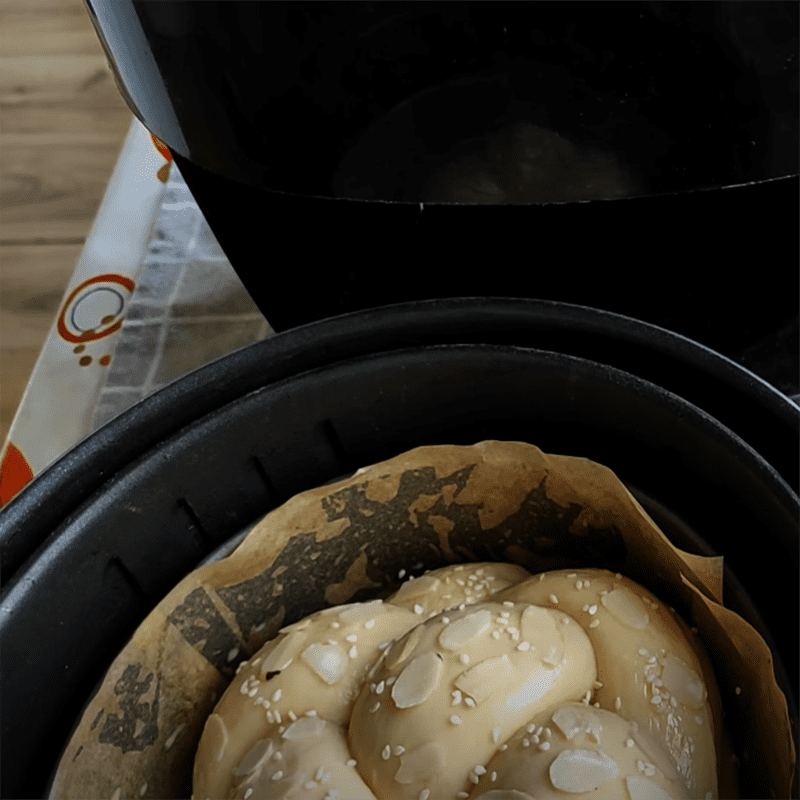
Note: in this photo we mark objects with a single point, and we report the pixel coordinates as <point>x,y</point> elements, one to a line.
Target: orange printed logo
<point>95,309</point>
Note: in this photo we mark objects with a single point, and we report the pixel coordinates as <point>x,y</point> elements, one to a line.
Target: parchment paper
<point>431,506</point>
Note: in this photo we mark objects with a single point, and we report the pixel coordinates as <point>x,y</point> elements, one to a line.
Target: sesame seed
<point>508,604</point>
<point>474,778</point>
<point>493,777</point>
<point>496,735</point>
<point>418,609</point>
<point>586,584</point>
<point>512,630</point>
<point>618,576</point>
<point>655,699</point>
<point>572,575</point>
<point>495,634</point>
<point>505,614</point>
<point>470,702</point>
<point>738,690</point>
<point>652,660</point>
<point>445,620</point>
<point>277,755</point>
<point>335,624</point>
<point>526,742</point>
<point>541,577</point>
<point>387,752</point>
<point>640,765</point>
<point>248,793</point>
<point>455,719</point>
<point>351,638</point>
<point>530,728</point>
<point>553,599</point>
<point>311,713</point>
<point>594,623</point>
<point>292,716</point>
<point>579,585</point>
<point>424,794</point>
<point>398,750</point>
<point>391,679</point>
<point>462,606</point>
<point>320,773</point>
<point>456,697</point>
<point>503,747</point>
<point>380,687</point>
<point>310,785</point>
<point>278,775</point>
<point>629,743</point>
<point>370,623</point>
<point>480,770</point>
<point>401,574</point>
<point>501,621</point>
<point>644,651</point>
<point>544,746</point>
<point>593,609</point>
<point>524,646</point>
<point>598,685</point>
<point>277,695</point>
<point>351,762</point>
<point>375,708</point>
<point>464,658</point>
<point>618,703</point>
<point>462,795</point>
<point>353,652</point>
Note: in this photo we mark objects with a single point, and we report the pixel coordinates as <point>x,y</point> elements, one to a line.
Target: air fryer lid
<point>366,99</point>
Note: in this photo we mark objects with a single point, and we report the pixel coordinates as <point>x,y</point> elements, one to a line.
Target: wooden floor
<point>62,125</point>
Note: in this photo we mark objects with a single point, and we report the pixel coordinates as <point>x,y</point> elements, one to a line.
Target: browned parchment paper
<point>494,501</point>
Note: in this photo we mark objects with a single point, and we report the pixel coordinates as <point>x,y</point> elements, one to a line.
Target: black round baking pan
<point>99,538</point>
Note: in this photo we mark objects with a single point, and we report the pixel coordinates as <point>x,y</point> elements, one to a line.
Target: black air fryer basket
<point>97,540</point>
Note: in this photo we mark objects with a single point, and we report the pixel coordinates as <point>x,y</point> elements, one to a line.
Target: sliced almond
<point>305,728</point>
<point>577,771</point>
<point>403,649</point>
<point>418,680</point>
<point>421,764</point>
<point>683,682</point>
<point>255,757</point>
<point>487,677</point>
<point>571,721</point>
<point>460,631</point>
<point>640,788</point>
<point>361,612</point>
<point>626,607</point>
<point>327,661</point>
<point>284,653</point>
<point>539,628</point>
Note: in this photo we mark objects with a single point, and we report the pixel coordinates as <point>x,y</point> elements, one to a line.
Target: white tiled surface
<point>152,298</point>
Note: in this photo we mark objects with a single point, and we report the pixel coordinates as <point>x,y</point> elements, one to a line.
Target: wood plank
<point>69,95</point>
<point>53,190</point>
<point>49,28</point>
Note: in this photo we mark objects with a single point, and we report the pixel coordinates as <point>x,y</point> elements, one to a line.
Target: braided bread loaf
<point>472,681</point>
